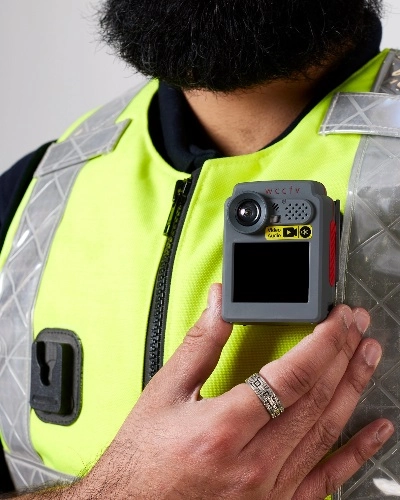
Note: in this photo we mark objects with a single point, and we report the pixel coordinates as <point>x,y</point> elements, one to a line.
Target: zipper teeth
<point>160,294</point>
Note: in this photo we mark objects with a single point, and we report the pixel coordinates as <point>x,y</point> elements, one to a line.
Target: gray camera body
<point>281,245</point>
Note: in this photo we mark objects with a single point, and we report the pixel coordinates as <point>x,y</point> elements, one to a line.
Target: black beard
<point>224,45</point>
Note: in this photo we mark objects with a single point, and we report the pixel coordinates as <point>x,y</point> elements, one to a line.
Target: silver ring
<point>266,395</point>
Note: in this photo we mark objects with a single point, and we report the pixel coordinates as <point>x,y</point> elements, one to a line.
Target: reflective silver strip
<point>21,276</point>
<point>81,148</point>
<point>389,78</point>
<point>107,114</point>
<point>370,277</point>
<point>372,114</point>
<point>27,475</point>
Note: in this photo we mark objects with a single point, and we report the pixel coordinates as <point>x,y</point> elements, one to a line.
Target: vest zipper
<point>158,311</point>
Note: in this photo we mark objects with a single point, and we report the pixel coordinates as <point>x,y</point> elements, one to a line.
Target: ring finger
<point>296,373</point>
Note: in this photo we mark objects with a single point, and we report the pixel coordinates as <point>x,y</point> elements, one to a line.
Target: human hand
<point>174,444</point>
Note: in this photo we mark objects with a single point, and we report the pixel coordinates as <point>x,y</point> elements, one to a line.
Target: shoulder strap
<point>370,259</point>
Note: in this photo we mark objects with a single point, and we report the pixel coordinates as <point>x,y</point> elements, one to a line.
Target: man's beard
<point>224,45</point>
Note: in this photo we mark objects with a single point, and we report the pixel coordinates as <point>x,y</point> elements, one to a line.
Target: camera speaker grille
<point>298,211</point>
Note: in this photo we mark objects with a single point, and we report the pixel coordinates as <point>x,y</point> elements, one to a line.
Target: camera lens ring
<point>255,212</point>
<point>248,212</point>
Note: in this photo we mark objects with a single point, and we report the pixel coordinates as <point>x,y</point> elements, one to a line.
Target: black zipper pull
<point>181,192</point>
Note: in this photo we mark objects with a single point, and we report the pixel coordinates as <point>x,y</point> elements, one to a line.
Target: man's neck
<point>245,121</point>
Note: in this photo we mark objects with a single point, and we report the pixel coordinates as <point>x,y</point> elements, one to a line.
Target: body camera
<point>280,262</point>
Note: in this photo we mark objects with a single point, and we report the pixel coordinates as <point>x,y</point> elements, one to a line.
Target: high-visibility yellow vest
<point>98,274</point>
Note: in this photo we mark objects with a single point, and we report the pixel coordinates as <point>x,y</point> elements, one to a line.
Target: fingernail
<point>347,317</point>
<point>361,319</point>
<point>384,432</point>
<point>211,298</point>
<point>372,354</point>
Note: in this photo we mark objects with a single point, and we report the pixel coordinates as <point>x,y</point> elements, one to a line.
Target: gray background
<point>53,69</point>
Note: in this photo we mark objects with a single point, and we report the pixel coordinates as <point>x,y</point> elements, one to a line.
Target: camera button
<point>275,219</point>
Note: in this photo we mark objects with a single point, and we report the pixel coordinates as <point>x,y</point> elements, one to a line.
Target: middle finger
<point>296,373</point>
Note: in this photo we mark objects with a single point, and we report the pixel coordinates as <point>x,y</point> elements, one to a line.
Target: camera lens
<point>248,212</point>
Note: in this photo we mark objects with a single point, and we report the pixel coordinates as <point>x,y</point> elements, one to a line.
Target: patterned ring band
<point>266,395</point>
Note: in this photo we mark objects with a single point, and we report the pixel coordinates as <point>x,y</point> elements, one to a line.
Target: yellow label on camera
<point>288,232</point>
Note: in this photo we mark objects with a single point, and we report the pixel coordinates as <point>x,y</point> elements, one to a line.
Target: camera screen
<point>271,272</point>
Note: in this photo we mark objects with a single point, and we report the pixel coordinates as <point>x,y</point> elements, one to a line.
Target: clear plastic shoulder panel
<point>370,277</point>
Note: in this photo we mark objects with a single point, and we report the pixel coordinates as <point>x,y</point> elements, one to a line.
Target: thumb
<point>182,377</point>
